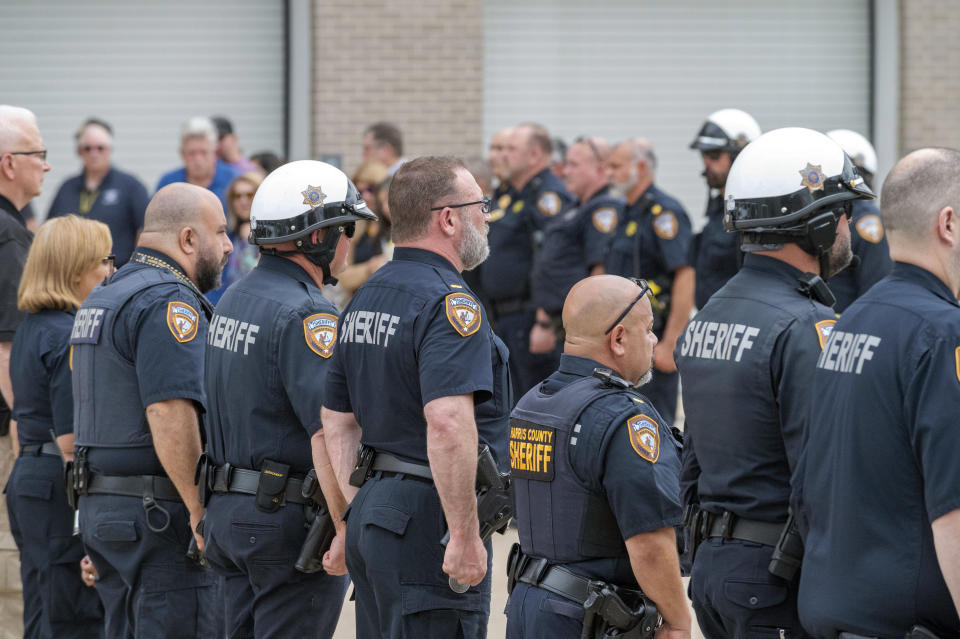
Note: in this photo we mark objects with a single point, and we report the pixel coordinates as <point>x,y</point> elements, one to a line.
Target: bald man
<point>137,358</point>
<point>23,163</point>
<point>595,474</point>
<point>878,483</point>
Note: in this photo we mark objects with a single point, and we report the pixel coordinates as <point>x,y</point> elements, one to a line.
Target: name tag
<point>531,451</point>
<point>87,325</point>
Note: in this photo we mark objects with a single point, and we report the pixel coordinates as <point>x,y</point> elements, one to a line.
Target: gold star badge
<point>313,196</point>
<point>812,175</point>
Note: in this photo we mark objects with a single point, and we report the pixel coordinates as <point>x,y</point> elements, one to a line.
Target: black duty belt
<point>132,486</point>
<point>554,578</point>
<point>387,463</point>
<point>47,448</point>
<point>729,526</point>
<point>509,306</point>
<point>228,479</point>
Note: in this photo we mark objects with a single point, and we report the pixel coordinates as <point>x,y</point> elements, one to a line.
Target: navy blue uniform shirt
<point>573,242</point>
<point>515,232</point>
<point>716,254</point>
<point>746,361</point>
<point>120,203</point>
<point>411,334</point>
<point>14,243</point>
<point>880,462</point>
<point>268,349</point>
<point>652,240</point>
<point>869,243</point>
<point>40,372</point>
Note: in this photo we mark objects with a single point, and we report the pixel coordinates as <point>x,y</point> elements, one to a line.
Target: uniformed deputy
<point>268,350</point>
<point>68,257</point>
<point>652,241</point>
<point>595,475</point>
<point>138,344</point>
<point>871,254</point>
<point>747,359</point>
<point>516,233</point>
<point>418,377</point>
<point>716,253</point>
<point>576,242</point>
<point>879,483</point>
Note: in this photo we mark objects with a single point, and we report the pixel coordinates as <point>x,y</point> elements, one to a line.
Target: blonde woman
<point>69,256</point>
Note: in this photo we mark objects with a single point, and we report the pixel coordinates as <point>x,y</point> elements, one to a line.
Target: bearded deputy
<point>137,354</point>
<point>419,378</point>
<point>746,362</point>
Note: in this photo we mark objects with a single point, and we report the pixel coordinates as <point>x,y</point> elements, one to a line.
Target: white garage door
<point>657,68</point>
<point>144,67</point>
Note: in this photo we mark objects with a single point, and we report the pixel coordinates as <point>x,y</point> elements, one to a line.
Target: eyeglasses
<point>42,154</point>
<point>644,289</point>
<point>99,148</point>
<point>486,202</point>
<point>110,261</point>
<point>584,139</point>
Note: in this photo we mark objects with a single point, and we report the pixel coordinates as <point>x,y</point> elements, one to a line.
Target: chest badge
<point>870,228</point>
<point>665,225</point>
<point>644,437</point>
<point>812,175</point>
<point>313,196</point>
<point>549,203</point>
<point>605,219</point>
<point>182,320</point>
<point>631,229</point>
<point>824,328</point>
<point>503,202</point>
<point>320,331</point>
<point>517,206</point>
<point>463,313</point>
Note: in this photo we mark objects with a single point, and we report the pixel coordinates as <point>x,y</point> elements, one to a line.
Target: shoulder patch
<point>644,437</point>
<point>517,206</point>
<point>665,225</point>
<point>549,203</point>
<point>183,321</point>
<point>320,332</point>
<point>463,312</point>
<point>631,229</point>
<point>824,327</point>
<point>870,228</point>
<point>605,219</point>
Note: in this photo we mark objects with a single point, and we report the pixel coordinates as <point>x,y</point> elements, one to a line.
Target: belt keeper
<point>726,525</point>
<point>542,565</point>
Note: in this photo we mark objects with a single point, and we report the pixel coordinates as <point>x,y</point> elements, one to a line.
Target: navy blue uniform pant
<point>526,369</point>
<point>149,589</point>
<point>55,601</point>
<point>255,553</point>
<point>394,528</point>
<point>662,393</point>
<point>534,613</point>
<point>736,597</point>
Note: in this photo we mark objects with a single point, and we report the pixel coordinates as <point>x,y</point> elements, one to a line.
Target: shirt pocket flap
<point>388,518</point>
<point>754,594</point>
<point>36,488</point>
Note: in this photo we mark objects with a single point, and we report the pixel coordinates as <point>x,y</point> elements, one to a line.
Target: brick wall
<point>417,63</point>
<point>929,77</point>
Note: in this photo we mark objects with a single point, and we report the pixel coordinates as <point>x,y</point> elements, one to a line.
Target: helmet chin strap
<point>321,253</point>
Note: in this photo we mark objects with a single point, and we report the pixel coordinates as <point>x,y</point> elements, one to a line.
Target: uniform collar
<point>646,199</point>
<point>410,254</point>
<point>582,366</point>
<point>771,265</point>
<point>537,180</point>
<point>603,191</point>
<point>7,206</point>
<point>924,278</point>
<point>287,267</point>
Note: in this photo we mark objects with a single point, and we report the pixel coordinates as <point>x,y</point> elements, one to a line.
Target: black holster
<point>203,478</point>
<point>321,527</point>
<point>607,615</point>
<point>273,483</point>
<point>77,475</point>
<point>788,553</point>
<point>362,469</point>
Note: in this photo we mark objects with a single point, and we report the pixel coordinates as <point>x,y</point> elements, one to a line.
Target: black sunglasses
<point>486,202</point>
<point>644,289</point>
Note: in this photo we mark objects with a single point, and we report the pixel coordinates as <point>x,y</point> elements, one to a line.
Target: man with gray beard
<point>419,379</point>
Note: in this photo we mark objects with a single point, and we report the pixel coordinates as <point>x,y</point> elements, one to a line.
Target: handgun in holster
<point>607,615</point>
<point>361,471</point>
<point>203,477</point>
<point>77,475</point>
<point>788,553</point>
<point>321,527</point>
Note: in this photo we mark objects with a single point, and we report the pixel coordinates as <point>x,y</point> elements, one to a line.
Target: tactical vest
<point>107,411</point>
<point>559,518</point>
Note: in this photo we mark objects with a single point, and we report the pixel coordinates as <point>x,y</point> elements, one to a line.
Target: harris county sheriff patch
<point>531,451</point>
<point>605,219</point>
<point>824,327</point>
<point>182,320</point>
<point>644,437</point>
<point>463,312</point>
<point>320,331</point>
<point>870,228</point>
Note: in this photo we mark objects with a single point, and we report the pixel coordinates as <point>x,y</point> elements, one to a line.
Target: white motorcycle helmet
<point>792,185</point>
<point>726,130</point>
<point>859,149</point>
<point>299,198</point>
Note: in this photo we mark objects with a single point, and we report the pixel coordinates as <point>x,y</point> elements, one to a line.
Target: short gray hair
<point>13,122</point>
<point>641,150</point>
<point>199,127</point>
<point>918,187</point>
